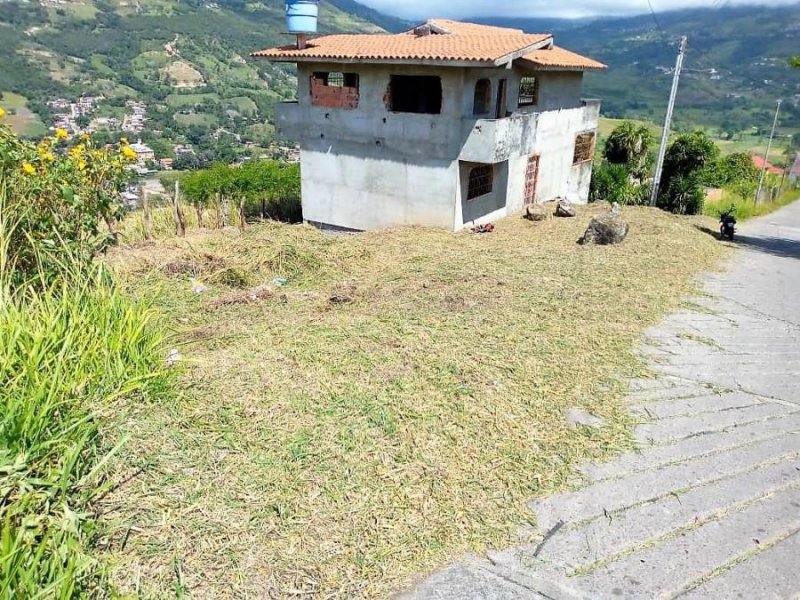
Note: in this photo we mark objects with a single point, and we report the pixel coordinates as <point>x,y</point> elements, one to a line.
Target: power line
<point>656,21</point>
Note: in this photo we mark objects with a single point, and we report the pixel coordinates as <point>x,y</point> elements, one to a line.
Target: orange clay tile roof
<point>759,163</point>
<point>559,58</point>
<point>449,41</point>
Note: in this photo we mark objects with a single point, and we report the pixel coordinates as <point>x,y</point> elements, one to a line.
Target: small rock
<point>535,212</point>
<point>198,287</point>
<point>577,417</point>
<point>607,228</point>
<point>279,282</point>
<point>173,357</point>
<point>565,209</point>
<point>343,294</point>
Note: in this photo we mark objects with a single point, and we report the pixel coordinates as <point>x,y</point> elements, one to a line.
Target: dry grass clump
<point>343,449</point>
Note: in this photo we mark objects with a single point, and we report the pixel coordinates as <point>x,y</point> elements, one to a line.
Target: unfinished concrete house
<point>446,125</point>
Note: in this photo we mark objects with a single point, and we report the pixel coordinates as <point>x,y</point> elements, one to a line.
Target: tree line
<point>257,189</point>
<point>693,163</point>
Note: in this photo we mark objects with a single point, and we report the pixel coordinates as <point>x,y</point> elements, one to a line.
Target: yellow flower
<point>61,134</point>
<point>76,151</point>
<point>48,156</point>
<point>123,141</point>
<point>28,169</point>
<point>81,165</point>
<point>128,153</point>
<point>85,137</point>
<point>2,112</point>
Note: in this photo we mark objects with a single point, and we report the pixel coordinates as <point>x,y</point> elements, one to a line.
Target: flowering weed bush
<point>58,195</point>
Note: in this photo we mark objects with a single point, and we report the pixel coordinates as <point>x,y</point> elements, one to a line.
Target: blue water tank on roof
<point>302,16</point>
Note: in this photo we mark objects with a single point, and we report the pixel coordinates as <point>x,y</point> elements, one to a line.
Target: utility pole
<point>766,155</point>
<point>662,152</point>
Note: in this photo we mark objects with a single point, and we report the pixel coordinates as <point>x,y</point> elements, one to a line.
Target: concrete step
<point>664,409</point>
<point>771,575</point>
<point>678,428</point>
<point>656,456</point>
<point>602,540</point>
<point>616,494</point>
<point>678,564</point>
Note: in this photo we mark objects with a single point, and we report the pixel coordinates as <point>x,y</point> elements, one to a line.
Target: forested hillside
<point>186,61</point>
<point>186,64</point>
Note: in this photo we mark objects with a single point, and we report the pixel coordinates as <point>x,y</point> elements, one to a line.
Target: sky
<point>419,9</point>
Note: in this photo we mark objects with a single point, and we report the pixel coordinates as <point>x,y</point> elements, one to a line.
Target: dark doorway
<point>502,99</point>
<point>415,94</point>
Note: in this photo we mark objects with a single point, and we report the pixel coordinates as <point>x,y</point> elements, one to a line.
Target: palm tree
<point>629,145</point>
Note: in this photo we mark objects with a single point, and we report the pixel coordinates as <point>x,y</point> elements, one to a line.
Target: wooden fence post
<point>220,221</point>
<point>147,220</point>
<point>180,223</point>
<point>242,220</point>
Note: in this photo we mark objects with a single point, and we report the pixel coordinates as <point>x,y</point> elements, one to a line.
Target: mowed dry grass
<point>346,450</point>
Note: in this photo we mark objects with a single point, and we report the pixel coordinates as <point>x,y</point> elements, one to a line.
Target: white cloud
<point>420,9</point>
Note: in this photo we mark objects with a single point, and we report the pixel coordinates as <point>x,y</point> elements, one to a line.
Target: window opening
<point>483,97</point>
<point>335,90</point>
<point>415,94</point>
<point>528,91</point>
<point>584,148</point>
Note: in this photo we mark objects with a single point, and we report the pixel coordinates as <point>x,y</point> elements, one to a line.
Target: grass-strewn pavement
<point>345,449</point>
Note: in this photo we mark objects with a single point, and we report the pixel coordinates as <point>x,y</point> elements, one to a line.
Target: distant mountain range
<point>736,66</point>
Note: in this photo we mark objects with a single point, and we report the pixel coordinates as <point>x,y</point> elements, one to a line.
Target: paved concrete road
<point>710,506</point>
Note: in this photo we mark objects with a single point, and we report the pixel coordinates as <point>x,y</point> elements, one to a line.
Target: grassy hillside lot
<point>341,449</point>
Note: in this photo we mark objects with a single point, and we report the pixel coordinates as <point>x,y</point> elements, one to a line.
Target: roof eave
<point>533,65</point>
<point>521,52</point>
<point>425,62</point>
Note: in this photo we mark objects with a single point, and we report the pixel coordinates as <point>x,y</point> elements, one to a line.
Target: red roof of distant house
<point>759,162</point>
<point>437,41</point>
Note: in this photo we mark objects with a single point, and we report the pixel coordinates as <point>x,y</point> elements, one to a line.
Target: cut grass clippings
<point>346,449</point>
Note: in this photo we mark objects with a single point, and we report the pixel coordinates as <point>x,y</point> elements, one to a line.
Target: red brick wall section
<point>333,97</point>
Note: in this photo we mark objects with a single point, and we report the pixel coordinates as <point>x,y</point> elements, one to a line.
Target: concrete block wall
<point>345,186</point>
<point>365,167</point>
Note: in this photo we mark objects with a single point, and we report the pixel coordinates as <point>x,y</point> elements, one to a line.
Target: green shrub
<point>70,344</point>
<point>685,196</point>
<point>57,198</point>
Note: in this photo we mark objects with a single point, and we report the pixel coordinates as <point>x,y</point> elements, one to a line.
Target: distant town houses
<point>144,153</point>
<point>66,113</point>
<point>135,120</point>
<point>180,149</point>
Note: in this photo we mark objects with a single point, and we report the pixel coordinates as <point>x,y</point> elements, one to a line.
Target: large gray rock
<point>535,212</point>
<point>605,229</point>
<point>565,209</point>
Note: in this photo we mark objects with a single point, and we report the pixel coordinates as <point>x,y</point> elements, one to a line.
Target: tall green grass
<point>68,351</point>
<point>748,209</point>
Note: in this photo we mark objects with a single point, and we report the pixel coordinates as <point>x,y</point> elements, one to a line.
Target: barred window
<point>584,148</point>
<point>528,92</point>
<point>336,79</point>
<point>480,181</point>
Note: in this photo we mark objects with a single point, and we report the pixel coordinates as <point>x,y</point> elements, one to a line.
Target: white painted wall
<point>345,188</point>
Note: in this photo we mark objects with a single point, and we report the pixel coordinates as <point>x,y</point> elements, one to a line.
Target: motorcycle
<point>727,224</point>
